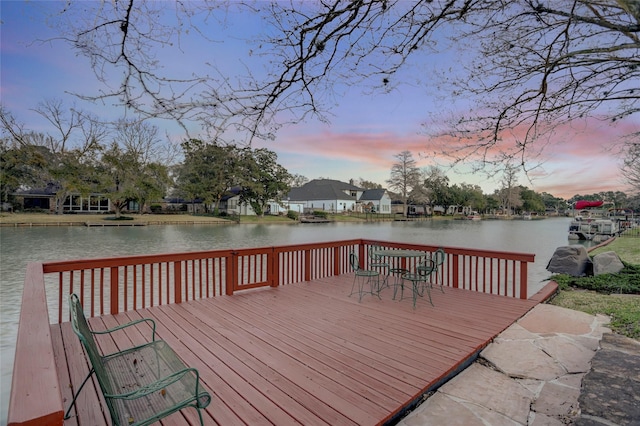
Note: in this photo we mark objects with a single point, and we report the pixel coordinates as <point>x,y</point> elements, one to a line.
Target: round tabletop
<point>399,253</point>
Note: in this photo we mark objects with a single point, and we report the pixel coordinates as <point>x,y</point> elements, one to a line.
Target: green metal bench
<point>141,384</point>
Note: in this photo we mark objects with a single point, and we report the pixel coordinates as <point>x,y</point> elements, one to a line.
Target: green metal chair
<point>378,264</point>
<point>420,280</point>
<point>438,257</point>
<point>363,277</point>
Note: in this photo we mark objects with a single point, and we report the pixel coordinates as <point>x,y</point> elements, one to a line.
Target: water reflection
<point>18,246</point>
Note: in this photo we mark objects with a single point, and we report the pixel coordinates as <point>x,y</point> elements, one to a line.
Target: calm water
<point>18,246</point>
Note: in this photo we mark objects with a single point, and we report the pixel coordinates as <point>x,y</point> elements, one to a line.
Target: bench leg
<point>75,395</point>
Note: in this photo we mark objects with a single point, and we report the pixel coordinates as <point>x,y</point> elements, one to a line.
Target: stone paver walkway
<point>531,374</point>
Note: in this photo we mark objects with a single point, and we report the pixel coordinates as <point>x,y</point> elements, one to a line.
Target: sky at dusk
<point>364,134</point>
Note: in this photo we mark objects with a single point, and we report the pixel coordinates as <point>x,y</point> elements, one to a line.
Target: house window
<point>72,203</point>
<point>98,203</point>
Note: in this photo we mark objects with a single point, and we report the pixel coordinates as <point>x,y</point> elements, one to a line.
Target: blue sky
<point>365,132</point>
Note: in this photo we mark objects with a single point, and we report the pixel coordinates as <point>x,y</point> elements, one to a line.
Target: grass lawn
<point>623,309</point>
<point>627,248</point>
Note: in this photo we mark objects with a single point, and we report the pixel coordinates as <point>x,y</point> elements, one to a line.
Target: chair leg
<point>416,292</point>
<point>385,281</point>
<point>360,285</point>
<point>75,396</point>
<point>374,285</point>
<point>355,277</point>
<point>398,283</point>
<point>441,283</point>
<point>359,280</point>
<point>428,287</point>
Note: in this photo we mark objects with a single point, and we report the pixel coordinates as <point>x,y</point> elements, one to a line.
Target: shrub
<point>320,213</point>
<point>155,208</point>
<point>292,215</point>
<point>119,218</point>
<point>627,281</point>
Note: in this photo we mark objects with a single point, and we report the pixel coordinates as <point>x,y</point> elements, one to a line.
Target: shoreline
<point>27,220</point>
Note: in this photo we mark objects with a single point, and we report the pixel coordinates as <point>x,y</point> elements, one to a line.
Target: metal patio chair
<point>377,263</point>
<point>363,277</point>
<point>438,257</point>
<point>420,280</point>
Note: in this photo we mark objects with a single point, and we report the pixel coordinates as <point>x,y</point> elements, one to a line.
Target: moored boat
<point>473,216</point>
<point>591,223</point>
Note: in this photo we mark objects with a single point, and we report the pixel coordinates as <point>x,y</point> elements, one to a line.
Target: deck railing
<point>114,285</point>
<point>120,284</point>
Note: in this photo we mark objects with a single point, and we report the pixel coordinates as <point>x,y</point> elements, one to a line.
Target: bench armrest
<point>129,324</point>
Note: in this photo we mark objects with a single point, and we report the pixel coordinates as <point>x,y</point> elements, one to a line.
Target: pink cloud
<point>577,159</point>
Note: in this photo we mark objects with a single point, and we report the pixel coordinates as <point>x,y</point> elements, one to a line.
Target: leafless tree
<point>297,180</point>
<point>140,140</point>
<point>532,64</point>
<point>405,175</point>
<point>631,163</point>
<point>509,193</point>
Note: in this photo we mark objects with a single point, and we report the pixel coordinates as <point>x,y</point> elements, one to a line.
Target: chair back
<point>82,330</point>
<point>426,267</point>
<point>438,257</point>
<point>353,260</point>
<point>370,251</point>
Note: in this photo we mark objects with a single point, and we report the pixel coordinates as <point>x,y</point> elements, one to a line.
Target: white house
<point>336,197</point>
<point>377,199</point>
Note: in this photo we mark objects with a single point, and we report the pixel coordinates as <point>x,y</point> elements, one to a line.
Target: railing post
<point>336,261</point>
<point>114,296</point>
<point>274,264</point>
<point>523,280</point>
<point>177,282</point>
<point>456,271</point>
<point>232,267</point>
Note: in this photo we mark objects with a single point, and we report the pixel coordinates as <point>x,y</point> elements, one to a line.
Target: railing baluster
<point>135,287</point>
<point>125,284</point>
<point>101,284</point>
<point>151,285</point>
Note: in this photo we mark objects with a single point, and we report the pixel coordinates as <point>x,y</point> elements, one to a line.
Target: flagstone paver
<point>531,374</point>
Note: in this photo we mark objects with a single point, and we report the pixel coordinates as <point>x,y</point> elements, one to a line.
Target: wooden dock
<point>115,223</point>
<point>305,353</point>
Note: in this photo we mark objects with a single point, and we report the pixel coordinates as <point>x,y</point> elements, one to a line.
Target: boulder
<point>607,263</point>
<point>571,260</point>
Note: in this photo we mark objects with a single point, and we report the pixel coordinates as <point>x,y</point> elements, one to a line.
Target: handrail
<point>119,284</point>
<point>35,390</point>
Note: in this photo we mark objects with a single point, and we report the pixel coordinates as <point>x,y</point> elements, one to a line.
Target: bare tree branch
<point>529,65</point>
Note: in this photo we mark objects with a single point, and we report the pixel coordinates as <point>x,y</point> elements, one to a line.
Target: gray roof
<point>372,194</point>
<point>323,189</point>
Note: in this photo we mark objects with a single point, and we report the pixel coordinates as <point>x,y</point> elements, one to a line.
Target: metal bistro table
<point>399,267</point>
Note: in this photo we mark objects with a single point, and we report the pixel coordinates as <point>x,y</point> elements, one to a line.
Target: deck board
<point>304,353</point>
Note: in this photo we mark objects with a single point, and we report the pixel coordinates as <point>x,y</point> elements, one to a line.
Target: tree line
<point>129,161</point>
<point>431,186</point>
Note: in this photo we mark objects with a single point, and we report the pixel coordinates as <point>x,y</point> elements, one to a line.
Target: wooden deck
<point>305,353</point>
